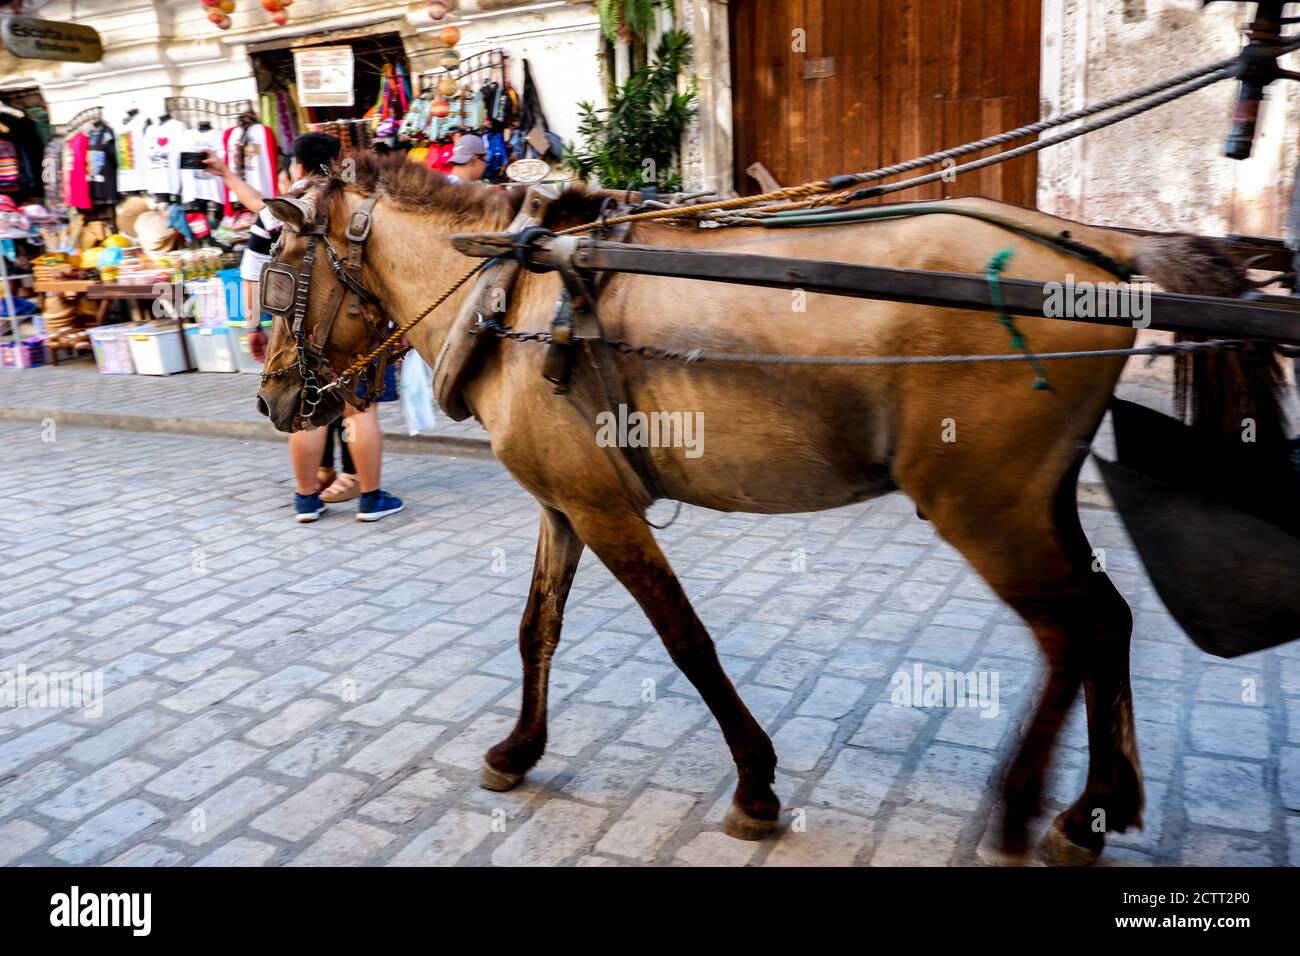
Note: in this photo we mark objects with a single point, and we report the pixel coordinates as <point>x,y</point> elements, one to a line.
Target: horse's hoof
<point>991,854</point>
<point>1057,849</point>
<point>742,826</point>
<point>490,778</point>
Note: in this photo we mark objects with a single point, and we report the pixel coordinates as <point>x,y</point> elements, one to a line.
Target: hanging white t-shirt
<point>199,183</point>
<point>163,152</point>
<point>132,156</point>
<point>251,154</point>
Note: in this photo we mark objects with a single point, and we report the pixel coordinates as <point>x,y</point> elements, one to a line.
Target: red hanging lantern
<point>226,6</point>
<point>440,108</point>
<point>280,18</point>
<point>273,6</point>
<point>219,19</point>
<point>211,3</point>
<point>450,36</point>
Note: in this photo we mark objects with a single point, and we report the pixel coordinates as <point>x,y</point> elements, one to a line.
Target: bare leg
<point>558,553</point>
<point>305,449</point>
<point>626,546</point>
<point>365,443</point>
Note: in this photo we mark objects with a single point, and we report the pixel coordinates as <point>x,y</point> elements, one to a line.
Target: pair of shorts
<point>389,392</point>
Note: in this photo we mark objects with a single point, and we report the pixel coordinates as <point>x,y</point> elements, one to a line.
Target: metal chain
<point>695,356</point>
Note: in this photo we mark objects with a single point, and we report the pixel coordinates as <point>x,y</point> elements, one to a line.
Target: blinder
<point>278,286</point>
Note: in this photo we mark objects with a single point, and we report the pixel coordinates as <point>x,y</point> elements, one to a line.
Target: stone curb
<point>256,431</point>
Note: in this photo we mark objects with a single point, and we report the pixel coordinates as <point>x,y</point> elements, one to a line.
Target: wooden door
<point>906,78</point>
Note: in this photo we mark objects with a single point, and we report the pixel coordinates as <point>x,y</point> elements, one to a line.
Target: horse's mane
<point>416,187</point>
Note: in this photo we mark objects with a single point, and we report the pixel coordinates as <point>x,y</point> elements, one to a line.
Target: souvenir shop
<point>125,248</point>
<point>98,213</point>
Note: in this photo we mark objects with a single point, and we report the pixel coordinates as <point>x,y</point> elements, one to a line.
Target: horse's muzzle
<point>280,402</point>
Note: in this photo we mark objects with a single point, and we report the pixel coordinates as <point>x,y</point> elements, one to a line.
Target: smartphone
<point>193,160</point>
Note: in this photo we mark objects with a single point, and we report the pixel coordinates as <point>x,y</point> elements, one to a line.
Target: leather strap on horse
<point>589,335</point>
<point>462,349</point>
<point>349,287</point>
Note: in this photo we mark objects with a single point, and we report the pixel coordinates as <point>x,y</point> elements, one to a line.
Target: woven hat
<point>128,211</point>
<point>152,232</point>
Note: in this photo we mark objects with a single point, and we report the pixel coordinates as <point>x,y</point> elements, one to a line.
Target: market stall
<point>125,249</point>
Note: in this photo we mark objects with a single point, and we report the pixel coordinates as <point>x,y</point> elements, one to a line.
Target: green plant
<point>633,142</point>
<point>629,19</point>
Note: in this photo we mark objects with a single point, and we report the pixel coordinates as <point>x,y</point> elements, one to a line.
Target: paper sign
<point>325,76</point>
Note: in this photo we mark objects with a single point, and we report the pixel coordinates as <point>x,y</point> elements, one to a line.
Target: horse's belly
<point>772,471</point>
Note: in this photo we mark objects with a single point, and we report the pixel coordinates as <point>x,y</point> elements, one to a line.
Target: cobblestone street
<point>323,694</point>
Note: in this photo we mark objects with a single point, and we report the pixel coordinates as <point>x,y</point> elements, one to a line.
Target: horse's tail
<point>1232,397</point>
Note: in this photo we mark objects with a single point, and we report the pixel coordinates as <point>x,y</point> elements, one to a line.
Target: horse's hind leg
<point>558,553</point>
<point>1039,562</point>
<point>626,546</point>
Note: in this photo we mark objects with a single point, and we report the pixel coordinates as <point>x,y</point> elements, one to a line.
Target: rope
<point>997,265</point>
<point>695,356</point>
<point>364,361</point>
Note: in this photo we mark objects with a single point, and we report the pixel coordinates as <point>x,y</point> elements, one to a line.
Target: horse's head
<point>323,316</point>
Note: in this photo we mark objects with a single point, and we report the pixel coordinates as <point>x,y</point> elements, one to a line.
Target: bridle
<point>285,291</point>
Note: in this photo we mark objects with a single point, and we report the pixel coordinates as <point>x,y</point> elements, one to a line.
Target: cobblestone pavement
<point>323,694</point>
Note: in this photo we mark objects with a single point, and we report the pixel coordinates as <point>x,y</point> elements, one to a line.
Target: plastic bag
<point>416,394</point>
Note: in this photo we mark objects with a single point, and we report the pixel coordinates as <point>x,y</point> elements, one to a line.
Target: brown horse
<point>985,457</point>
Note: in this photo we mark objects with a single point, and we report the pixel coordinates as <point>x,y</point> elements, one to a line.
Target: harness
<point>285,291</point>
<point>575,330</point>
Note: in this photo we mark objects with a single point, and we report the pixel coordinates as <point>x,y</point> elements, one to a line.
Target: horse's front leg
<point>558,553</point>
<point>624,544</point>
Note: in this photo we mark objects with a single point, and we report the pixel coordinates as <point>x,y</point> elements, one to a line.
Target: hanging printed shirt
<point>199,183</point>
<point>162,143</point>
<point>132,159</point>
<point>101,164</point>
<point>76,191</point>
<point>52,172</point>
<point>252,154</point>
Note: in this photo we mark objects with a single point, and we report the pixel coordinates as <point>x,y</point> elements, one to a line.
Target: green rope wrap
<point>997,265</point>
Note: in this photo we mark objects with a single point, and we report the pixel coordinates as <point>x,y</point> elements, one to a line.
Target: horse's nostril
<point>263,408</point>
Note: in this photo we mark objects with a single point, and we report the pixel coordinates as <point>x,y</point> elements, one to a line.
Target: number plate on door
<point>818,67</point>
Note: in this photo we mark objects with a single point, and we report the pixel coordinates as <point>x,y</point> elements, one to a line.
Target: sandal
<point>344,488</point>
<point>324,477</point>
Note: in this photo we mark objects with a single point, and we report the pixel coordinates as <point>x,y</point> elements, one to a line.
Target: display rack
<point>487,61</point>
<point>190,110</point>
<point>93,115</point>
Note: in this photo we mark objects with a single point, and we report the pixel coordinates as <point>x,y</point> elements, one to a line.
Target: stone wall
<point>1164,169</point>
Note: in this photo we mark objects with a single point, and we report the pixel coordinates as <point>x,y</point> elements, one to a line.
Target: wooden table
<point>106,293</point>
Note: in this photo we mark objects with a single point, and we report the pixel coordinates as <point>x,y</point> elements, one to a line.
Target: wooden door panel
<point>910,77</point>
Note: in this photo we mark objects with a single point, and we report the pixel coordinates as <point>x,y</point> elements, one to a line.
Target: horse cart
<point>921,319</point>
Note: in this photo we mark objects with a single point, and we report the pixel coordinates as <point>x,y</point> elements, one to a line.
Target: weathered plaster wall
<point>1164,169</point>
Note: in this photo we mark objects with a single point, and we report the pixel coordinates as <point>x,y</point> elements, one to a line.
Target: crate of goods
<point>112,350</point>
<point>29,353</point>
<point>156,350</point>
<point>243,353</point>
<point>212,348</point>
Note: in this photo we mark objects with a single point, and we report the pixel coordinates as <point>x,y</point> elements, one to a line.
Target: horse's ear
<point>295,213</point>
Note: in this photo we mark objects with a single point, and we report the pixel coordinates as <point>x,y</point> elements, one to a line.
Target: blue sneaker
<point>307,507</point>
<point>378,504</point>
